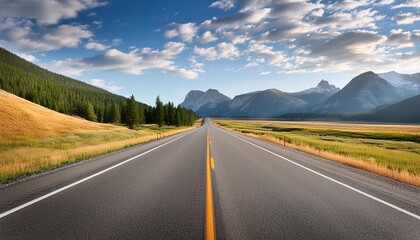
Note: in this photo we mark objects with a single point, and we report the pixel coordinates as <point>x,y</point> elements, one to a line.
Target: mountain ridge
<point>265,103</point>
<point>362,94</point>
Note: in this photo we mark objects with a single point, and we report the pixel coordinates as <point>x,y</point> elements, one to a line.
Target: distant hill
<point>363,93</point>
<point>20,118</point>
<point>54,91</point>
<point>268,103</point>
<point>406,111</point>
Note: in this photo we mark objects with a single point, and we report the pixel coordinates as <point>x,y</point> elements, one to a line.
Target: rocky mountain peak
<point>326,86</point>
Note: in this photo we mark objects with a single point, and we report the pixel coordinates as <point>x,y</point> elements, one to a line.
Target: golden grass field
<point>34,138</point>
<point>389,150</point>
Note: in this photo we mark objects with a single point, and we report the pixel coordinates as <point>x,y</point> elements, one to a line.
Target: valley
<point>385,149</point>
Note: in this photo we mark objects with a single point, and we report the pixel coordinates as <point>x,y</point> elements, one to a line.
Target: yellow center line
<point>212,163</point>
<point>210,226</point>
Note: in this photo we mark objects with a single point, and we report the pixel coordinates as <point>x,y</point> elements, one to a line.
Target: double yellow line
<point>210,233</point>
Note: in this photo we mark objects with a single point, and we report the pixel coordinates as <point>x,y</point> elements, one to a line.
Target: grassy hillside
<point>52,90</point>
<point>73,97</point>
<point>34,138</point>
<point>388,150</point>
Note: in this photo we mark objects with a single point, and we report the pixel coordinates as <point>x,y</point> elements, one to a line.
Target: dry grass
<point>21,119</point>
<point>33,138</point>
<point>405,166</point>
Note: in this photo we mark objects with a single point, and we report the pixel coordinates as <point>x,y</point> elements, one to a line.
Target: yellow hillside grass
<point>33,138</point>
<point>20,119</point>
<point>370,154</point>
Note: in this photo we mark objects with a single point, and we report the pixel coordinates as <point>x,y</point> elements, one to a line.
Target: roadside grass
<point>388,150</point>
<point>27,156</point>
<point>34,138</point>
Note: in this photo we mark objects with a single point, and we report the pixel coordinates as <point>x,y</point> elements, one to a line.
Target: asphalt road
<point>159,191</point>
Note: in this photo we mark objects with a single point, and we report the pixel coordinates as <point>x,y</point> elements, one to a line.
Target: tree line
<point>72,97</point>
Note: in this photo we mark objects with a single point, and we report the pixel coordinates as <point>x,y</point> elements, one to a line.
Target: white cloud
<point>408,4</point>
<point>224,4</point>
<point>134,62</point>
<point>340,21</point>
<point>251,64</point>
<point>238,20</point>
<point>45,11</point>
<point>208,37</point>
<point>171,33</point>
<point>185,73</point>
<point>104,85</point>
<point>403,39</point>
<point>116,42</point>
<point>236,39</point>
<point>406,18</point>
<point>318,12</point>
<point>209,53</point>
<point>228,51</point>
<point>224,51</point>
<point>95,46</point>
<point>350,4</point>
<point>186,32</point>
<point>265,73</point>
<point>385,2</point>
<point>21,37</point>
<point>262,50</point>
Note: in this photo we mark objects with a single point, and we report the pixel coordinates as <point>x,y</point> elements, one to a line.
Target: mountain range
<point>364,93</point>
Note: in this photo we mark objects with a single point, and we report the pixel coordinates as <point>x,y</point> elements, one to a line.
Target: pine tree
<point>177,118</point>
<point>159,112</point>
<point>115,114</point>
<point>141,115</point>
<point>90,112</point>
<point>132,113</point>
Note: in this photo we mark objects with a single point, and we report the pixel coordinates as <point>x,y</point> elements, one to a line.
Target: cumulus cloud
<point>209,53</point>
<point>208,37</point>
<point>236,39</point>
<point>95,46</point>
<point>224,4</point>
<point>238,20</point>
<point>365,18</point>
<point>224,51</point>
<point>171,33</point>
<point>20,36</point>
<point>403,39</point>
<point>262,50</point>
<point>45,11</point>
<point>406,18</point>
<point>186,32</point>
<point>105,85</point>
<point>228,51</point>
<point>134,62</point>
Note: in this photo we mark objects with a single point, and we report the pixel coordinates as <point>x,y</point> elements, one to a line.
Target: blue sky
<point>170,47</point>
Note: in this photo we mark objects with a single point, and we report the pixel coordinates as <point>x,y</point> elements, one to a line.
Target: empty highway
<point>209,183</point>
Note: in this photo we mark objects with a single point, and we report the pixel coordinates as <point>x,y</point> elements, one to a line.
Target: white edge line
<point>15,209</point>
<point>331,179</point>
